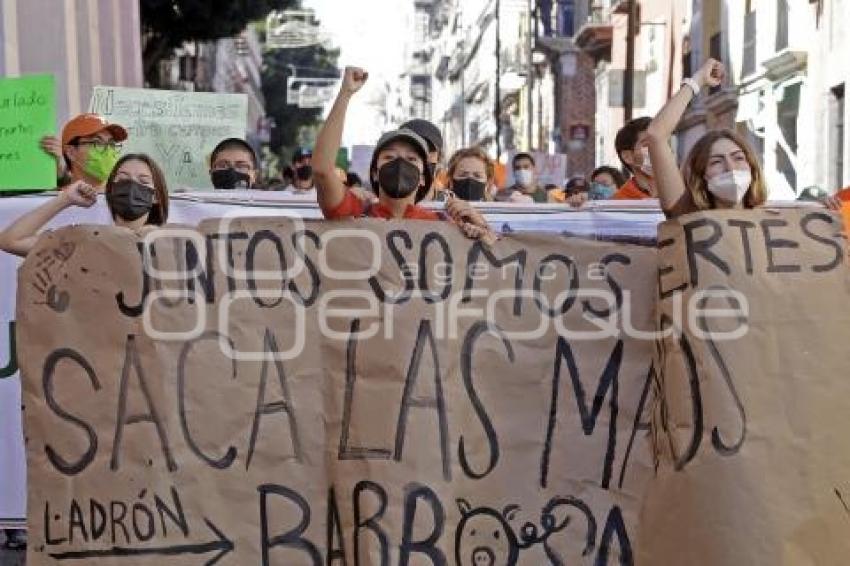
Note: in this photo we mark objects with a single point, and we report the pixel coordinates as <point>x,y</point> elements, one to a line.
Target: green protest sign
<point>27,113</point>
<point>178,129</point>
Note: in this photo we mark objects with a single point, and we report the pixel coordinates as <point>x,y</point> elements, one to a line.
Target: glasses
<point>241,166</point>
<point>101,144</point>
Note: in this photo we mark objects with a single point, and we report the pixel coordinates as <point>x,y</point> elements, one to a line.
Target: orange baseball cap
<point>88,125</point>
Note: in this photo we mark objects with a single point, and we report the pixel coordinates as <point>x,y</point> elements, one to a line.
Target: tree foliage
<point>168,24</point>
<point>315,61</point>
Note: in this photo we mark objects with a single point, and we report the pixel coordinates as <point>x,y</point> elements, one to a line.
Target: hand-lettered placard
<point>178,129</point>
<point>754,458</point>
<point>348,393</point>
<point>27,113</point>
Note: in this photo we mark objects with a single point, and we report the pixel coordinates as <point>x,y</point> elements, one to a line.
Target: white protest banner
<point>178,129</point>
<point>335,392</point>
<point>13,487</point>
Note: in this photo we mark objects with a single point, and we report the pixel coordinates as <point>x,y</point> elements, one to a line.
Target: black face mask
<point>469,189</point>
<point>229,179</point>
<point>399,178</point>
<point>130,200</point>
<point>304,173</point>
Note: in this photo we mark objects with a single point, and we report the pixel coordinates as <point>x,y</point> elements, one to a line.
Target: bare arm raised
<point>331,190</point>
<point>20,237</point>
<point>671,186</point>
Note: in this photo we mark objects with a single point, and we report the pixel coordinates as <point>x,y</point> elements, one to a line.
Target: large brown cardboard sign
<point>271,392</point>
<point>754,454</point>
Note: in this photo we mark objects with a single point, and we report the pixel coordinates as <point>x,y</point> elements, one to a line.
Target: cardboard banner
<point>620,224</point>
<point>754,458</point>
<point>178,129</point>
<point>27,113</point>
<point>355,392</point>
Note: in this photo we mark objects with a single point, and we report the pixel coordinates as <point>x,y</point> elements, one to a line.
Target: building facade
<point>786,61</point>
<point>507,76</point>
<point>229,65</point>
<point>658,61</point>
<point>788,71</point>
<point>93,42</point>
<point>792,73</point>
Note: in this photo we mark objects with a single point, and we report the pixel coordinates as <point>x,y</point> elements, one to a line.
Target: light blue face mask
<point>598,191</point>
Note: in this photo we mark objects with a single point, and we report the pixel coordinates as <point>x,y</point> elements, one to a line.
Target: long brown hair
<point>693,170</point>
<point>159,213</point>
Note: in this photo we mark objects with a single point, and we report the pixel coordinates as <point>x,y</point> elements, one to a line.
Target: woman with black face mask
<point>471,175</point>
<point>399,173</point>
<point>136,194</point>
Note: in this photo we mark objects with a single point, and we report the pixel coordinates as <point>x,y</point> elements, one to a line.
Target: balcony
<point>596,35</point>
<point>785,64</point>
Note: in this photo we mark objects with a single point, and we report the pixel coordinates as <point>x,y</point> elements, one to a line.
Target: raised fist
<point>354,79</point>
<point>80,193</point>
<point>711,74</point>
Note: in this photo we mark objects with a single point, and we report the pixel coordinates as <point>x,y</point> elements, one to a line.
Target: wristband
<point>692,84</point>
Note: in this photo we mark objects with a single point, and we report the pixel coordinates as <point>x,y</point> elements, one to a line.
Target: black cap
<point>428,131</point>
<point>418,143</point>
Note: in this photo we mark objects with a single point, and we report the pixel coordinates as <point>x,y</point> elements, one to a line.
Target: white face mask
<point>731,186</point>
<point>524,177</point>
<point>646,165</point>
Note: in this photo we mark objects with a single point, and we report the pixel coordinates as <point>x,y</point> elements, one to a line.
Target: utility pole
<point>629,76</point>
<point>463,63</point>
<point>498,110</point>
<point>530,75</point>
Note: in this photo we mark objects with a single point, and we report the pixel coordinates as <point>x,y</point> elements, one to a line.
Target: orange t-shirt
<point>844,194</point>
<point>353,207</point>
<point>630,191</point>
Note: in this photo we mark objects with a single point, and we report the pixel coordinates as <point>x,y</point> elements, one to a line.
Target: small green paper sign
<point>27,113</point>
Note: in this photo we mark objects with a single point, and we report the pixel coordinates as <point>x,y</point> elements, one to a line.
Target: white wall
<point>82,42</point>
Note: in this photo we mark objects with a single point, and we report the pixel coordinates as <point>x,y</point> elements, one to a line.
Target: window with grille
<point>422,23</point>
<point>567,15</point>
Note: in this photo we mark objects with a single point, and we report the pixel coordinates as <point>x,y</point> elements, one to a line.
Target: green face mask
<point>100,162</point>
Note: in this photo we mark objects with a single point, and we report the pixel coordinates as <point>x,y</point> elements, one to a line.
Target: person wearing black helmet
<point>398,173</point>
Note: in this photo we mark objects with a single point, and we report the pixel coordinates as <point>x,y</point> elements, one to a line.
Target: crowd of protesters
<point>409,166</point>
<point>406,169</point>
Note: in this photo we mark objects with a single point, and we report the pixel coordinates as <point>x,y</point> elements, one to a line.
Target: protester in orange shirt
<point>633,151</point>
<point>398,172</point>
<point>836,201</point>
